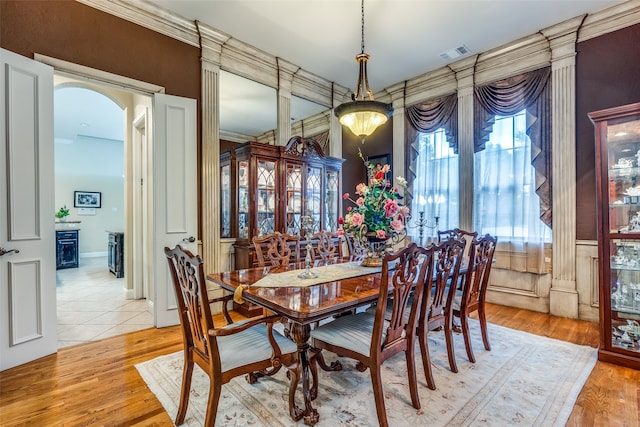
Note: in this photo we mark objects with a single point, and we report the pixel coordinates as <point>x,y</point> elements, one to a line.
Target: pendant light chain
<point>362,33</point>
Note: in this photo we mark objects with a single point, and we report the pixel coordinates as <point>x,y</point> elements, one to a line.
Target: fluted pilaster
<point>464,75</point>
<point>398,101</point>
<point>210,179</point>
<point>563,297</point>
<point>284,117</point>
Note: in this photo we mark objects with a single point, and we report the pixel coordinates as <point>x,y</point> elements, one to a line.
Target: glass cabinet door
<point>266,197</point>
<point>313,196</point>
<point>293,198</point>
<point>243,199</point>
<point>624,220</point>
<point>225,201</point>
<point>331,201</point>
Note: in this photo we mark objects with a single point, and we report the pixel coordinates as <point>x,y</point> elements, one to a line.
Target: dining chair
<point>328,245</point>
<point>357,251</point>
<point>459,233</point>
<point>474,289</point>
<point>223,352</point>
<point>435,311</point>
<point>277,249</point>
<point>371,339</point>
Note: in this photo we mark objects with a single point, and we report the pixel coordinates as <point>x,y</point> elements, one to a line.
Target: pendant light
<point>362,116</point>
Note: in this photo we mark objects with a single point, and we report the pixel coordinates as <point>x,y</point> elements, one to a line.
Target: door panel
<point>175,196</point>
<point>27,275</point>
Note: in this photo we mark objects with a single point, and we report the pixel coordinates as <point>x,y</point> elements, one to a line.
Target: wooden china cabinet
<point>276,186</point>
<point>617,135</point>
<point>268,188</point>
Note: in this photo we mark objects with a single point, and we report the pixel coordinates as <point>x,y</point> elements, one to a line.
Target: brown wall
<point>353,169</point>
<point>83,35</point>
<point>607,75</point>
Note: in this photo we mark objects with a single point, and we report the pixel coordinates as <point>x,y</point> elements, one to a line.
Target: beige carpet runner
<point>526,380</point>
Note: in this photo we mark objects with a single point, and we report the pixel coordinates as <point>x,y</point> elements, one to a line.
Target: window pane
<point>435,188</point>
<point>505,202</point>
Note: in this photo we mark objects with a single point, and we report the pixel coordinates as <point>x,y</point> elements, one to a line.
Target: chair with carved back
<point>277,249</point>
<point>436,313</point>
<point>474,289</point>
<point>357,251</point>
<point>458,233</point>
<point>328,246</point>
<point>222,351</point>
<point>369,337</point>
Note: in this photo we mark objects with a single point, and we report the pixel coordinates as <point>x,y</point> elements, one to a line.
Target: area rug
<point>525,380</point>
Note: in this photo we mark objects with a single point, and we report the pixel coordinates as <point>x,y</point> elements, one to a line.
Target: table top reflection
<point>303,304</point>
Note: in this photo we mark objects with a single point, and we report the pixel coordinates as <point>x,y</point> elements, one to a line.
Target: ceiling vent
<point>454,53</point>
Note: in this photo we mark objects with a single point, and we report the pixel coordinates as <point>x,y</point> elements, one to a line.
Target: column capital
<point>562,38</point>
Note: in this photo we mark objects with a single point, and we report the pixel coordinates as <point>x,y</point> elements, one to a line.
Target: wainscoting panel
<point>587,281</point>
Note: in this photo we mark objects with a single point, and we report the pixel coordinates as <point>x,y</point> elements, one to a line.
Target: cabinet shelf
<point>630,172</point>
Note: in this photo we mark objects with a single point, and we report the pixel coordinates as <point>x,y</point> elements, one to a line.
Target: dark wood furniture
<point>277,249</point>
<point>368,338</point>
<point>67,249</point>
<point>219,350</point>
<point>458,233</point>
<point>302,307</point>
<point>617,135</point>
<point>273,187</point>
<point>356,248</point>
<point>328,245</point>
<point>474,289</point>
<point>435,311</point>
<point>115,253</point>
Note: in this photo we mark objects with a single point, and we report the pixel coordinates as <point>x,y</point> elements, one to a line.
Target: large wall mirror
<point>247,109</point>
<point>310,119</point>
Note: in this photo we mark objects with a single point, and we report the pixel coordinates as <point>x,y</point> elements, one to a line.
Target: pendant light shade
<point>363,116</point>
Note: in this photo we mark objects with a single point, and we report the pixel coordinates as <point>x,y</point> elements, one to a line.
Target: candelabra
<point>421,223</point>
<point>306,223</point>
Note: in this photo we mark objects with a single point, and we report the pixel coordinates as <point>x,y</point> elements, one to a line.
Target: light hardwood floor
<point>98,384</point>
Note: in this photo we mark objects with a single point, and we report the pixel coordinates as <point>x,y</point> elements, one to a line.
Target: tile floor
<point>91,304</point>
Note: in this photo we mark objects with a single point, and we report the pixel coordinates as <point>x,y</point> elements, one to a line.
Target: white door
<point>175,210</point>
<point>27,264</point>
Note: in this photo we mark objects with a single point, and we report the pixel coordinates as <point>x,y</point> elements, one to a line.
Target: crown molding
<point>611,19</point>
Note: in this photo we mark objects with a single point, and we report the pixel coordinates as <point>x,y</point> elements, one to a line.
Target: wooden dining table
<point>302,306</point>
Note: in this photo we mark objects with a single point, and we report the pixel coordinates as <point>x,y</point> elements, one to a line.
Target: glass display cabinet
<point>617,135</point>
<point>277,186</point>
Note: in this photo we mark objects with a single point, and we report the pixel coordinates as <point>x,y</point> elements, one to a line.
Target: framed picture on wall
<point>381,160</point>
<point>87,199</point>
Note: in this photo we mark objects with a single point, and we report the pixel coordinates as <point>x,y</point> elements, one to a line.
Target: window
<point>505,201</point>
<point>435,187</point>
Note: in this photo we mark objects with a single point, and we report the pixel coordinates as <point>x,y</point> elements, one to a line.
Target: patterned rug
<point>525,379</point>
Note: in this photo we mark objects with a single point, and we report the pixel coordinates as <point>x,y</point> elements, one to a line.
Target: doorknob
<point>4,251</point>
<point>189,239</point>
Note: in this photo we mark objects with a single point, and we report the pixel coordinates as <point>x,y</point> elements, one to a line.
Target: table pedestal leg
<point>300,334</point>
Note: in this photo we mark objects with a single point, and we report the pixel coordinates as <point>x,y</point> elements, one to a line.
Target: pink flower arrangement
<point>378,208</point>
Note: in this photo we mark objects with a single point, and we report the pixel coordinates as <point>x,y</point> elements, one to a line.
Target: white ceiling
<point>404,37</point>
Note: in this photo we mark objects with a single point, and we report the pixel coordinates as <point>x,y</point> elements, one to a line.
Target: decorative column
<point>464,70</point>
<point>335,128</point>
<point>285,72</point>
<point>210,171</point>
<point>563,296</point>
<point>397,100</point>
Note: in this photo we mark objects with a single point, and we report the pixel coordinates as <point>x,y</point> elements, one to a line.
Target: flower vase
<point>375,254</point>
